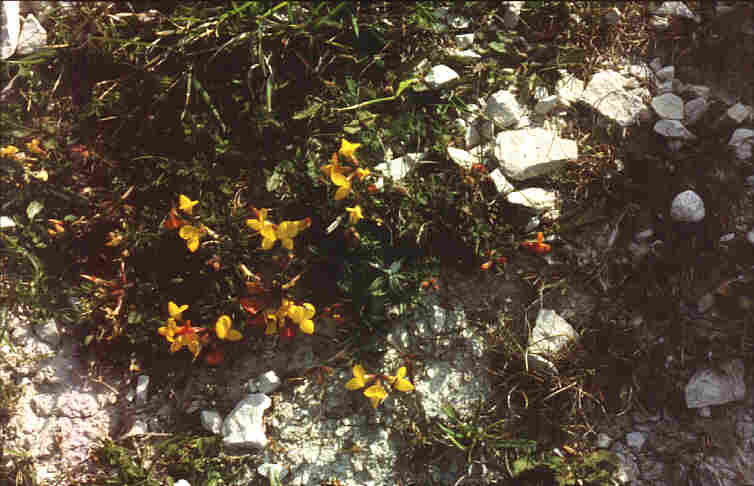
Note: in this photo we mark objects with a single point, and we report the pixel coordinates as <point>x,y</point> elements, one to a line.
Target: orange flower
<point>486,265</point>
<point>173,221</point>
<point>538,246</point>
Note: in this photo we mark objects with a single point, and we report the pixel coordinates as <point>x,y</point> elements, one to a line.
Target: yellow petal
<point>192,244</point>
<point>287,243</point>
<point>234,335</point>
<point>339,179</point>
<point>188,232</point>
<point>342,192</point>
<point>355,384</point>
<point>253,224</point>
<point>222,326</point>
<point>309,310</point>
<point>347,148</point>
<point>362,173</point>
<point>354,214</point>
<point>307,326</point>
<point>376,394</point>
<point>185,204</point>
<point>175,312</point>
<point>268,243</point>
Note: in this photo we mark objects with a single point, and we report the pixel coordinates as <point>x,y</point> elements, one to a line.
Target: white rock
<point>465,55</point>
<point>644,235</point>
<point>271,471</point>
<point>668,106</point>
<point>687,207</point>
<point>212,421</point>
<point>397,169</point>
<point>181,482</point>
<point>547,104</point>
<point>738,113</point>
<point>640,71</point>
<point>33,36</point>
<point>244,425</point>
<point>569,88</point>
<point>604,440</point>
<point>501,183</point>
<point>458,22</point>
<point>550,334</point>
<point>512,14</point>
<point>635,440</point>
<point>709,387</point>
<point>11,29</point>
<point>534,198</point>
<point>741,135</point>
<point>264,383</point>
<point>666,74</point>
<point>694,110</point>
<point>440,75</point>
<point>503,109</point>
<point>698,90</point>
<point>462,157</point>
<point>464,41</point>
<point>659,23</point>
<point>142,385</point>
<point>743,141</point>
<point>673,129</point>
<point>6,222</point>
<point>664,87</point>
<point>678,9</point>
<point>606,94</point>
<point>532,152</point>
<point>48,332</point>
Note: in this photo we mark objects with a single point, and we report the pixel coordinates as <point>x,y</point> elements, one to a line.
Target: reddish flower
<point>538,246</point>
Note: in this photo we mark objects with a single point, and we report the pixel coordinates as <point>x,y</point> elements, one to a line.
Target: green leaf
<point>33,209</point>
<point>498,47</point>
<point>308,112</point>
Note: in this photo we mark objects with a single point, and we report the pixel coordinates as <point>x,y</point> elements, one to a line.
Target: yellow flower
<point>169,330</point>
<point>264,227</point>
<point>347,149</point>
<point>287,230</point>
<point>8,151</point>
<point>358,380</point>
<point>376,394</point>
<point>34,147</point>
<point>275,318</point>
<point>399,381</point>
<point>302,315</point>
<point>343,183</point>
<point>190,340</point>
<point>354,214</point>
<point>191,234</point>
<point>175,311</point>
<point>225,331</point>
<point>115,239</point>
<point>362,173</point>
<point>185,204</point>
<point>186,335</point>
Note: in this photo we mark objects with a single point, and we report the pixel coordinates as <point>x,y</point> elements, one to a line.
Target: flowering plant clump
<point>286,231</point>
<point>377,393</point>
<point>191,233</point>
<point>194,337</point>
<point>268,306</point>
<point>343,175</point>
